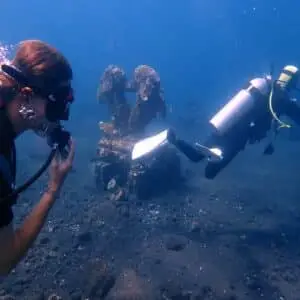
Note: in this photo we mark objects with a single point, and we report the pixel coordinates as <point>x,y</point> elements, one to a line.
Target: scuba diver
<point>35,94</point>
<point>252,115</point>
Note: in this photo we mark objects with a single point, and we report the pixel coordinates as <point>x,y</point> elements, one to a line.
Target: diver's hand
<point>60,168</point>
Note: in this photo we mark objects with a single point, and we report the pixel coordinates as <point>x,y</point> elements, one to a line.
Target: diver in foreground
<point>35,94</point>
<point>252,115</point>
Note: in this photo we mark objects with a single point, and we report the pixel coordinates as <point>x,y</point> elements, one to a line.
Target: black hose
<point>31,180</point>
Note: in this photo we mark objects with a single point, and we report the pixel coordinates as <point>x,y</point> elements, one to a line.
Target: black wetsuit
<point>7,168</point>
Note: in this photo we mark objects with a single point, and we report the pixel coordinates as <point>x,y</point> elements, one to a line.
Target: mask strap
<point>14,73</point>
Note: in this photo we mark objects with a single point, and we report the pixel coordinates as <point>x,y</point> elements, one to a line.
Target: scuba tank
<point>233,124</point>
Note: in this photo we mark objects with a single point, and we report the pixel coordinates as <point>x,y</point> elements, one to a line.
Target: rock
<point>175,242</point>
<point>129,286</point>
<point>84,237</point>
<point>54,297</point>
<point>196,227</point>
<point>44,240</point>
<point>253,283</point>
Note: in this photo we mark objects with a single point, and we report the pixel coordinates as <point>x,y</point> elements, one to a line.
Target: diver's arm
<point>15,244</point>
<point>185,148</point>
<point>189,151</point>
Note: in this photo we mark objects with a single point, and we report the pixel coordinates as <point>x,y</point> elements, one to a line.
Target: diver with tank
<point>252,115</point>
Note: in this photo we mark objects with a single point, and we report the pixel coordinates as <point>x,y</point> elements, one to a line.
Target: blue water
<point>204,50</point>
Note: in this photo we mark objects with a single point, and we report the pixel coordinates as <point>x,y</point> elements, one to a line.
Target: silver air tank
<point>240,105</point>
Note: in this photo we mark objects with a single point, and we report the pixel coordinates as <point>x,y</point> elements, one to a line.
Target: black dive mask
<point>58,105</point>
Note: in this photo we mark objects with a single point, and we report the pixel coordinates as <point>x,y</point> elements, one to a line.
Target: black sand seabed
<point>236,237</point>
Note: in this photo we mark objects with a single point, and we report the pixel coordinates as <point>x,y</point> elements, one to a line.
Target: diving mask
<point>59,96</point>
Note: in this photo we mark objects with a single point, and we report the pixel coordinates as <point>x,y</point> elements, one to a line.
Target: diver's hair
<point>44,66</point>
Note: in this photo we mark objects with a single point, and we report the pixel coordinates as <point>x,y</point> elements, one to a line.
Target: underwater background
<point>236,237</point>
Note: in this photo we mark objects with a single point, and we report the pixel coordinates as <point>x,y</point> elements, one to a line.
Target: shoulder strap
<point>6,171</point>
<point>7,154</point>
<point>7,179</point>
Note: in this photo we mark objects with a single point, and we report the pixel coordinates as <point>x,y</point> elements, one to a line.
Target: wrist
<point>53,189</point>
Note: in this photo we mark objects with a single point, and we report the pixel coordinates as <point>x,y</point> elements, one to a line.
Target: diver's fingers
<point>55,159</point>
<point>71,154</point>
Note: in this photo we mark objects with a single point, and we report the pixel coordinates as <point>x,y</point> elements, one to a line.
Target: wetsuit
<point>291,109</point>
<point>7,168</point>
